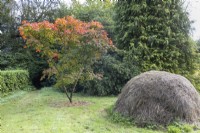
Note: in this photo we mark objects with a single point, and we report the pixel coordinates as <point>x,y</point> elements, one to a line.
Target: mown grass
<point>36,112</point>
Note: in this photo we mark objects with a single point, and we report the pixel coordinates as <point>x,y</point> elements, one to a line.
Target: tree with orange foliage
<point>71,47</point>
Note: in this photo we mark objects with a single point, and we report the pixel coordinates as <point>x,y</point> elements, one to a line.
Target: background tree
<point>114,69</point>
<point>157,34</point>
<point>37,10</point>
<point>198,45</point>
<point>12,56</point>
<point>91,10</point>
<point>5,22</point>
<point>8,27</point>
<point>70,47</point>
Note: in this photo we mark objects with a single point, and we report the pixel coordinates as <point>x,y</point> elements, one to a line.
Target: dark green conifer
<point>156,32</point>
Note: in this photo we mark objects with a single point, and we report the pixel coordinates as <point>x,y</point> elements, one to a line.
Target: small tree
<point>71,46</point>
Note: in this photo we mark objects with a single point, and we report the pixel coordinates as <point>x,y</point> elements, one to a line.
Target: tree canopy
<point>157,33</point>
<point>70,46</point>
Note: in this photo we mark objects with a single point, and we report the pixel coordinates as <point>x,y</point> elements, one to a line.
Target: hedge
<point>11,80</point>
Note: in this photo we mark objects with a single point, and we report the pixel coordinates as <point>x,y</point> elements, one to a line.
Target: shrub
<point>114,71</point>
<point>173,129</point>
<point>178,127</point>
<point>11,80</point>
<point>194,79</point>
<point>118,118</point>
<point>187,128</point>
<point>25,59</point>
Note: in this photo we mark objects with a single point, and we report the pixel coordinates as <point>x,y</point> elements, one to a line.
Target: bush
<point>173,129</point>
<point>187,128</point>
<point>26,59</point>
<point>115,72</point>
<point>118,118</point>
<point>11,80</point>
<point>178,127</point>
<point>194,79</point>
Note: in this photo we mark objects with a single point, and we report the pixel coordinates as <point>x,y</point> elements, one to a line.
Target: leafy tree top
<point>65,31</point>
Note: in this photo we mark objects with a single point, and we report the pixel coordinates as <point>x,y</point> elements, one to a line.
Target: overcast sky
<point>194,11</point>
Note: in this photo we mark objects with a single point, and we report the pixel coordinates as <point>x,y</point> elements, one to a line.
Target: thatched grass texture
<point>159,97</point>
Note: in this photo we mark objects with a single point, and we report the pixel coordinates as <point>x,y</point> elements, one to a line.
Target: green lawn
<point>40,112</point>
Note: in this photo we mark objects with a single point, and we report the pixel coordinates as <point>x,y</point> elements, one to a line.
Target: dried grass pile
<point>159,97</point>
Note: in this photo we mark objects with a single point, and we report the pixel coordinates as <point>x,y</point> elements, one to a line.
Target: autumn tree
<point>111,65</point>
<point>70,46</point>
<point>91,10</point>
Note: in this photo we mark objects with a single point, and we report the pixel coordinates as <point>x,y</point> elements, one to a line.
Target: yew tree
<point>70,46</point>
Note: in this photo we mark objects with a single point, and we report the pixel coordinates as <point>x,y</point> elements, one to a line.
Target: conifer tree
<point>156,33</point>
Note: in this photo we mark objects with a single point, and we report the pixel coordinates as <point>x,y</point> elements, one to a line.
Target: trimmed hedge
<point>11,80</point>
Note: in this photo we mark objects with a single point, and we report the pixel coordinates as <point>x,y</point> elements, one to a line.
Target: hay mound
<point>159,97</point>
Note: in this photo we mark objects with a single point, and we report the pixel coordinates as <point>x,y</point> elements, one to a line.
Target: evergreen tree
<point>156,33</point>
<point>198,45</point>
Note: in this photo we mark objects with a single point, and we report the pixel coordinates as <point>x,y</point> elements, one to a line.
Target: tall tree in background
<point>12,54</point>
<point>91,10</point>
<point>7,27</point>
<point>156,33</point>
<point>38,10</point>
<point>6,20</point>
<point>198,45</point>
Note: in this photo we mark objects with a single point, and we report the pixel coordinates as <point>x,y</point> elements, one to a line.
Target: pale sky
<point>194,14</point>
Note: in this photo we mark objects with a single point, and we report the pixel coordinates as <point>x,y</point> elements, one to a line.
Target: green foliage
<point>25,59</point>
<point>11,80</point>
<point>91,10</point>
<point>33,62</point>
<point>187,128</point>
<point>11,54</point>
<point>113,72</point>
<point>194,79</point>
<point>198,45</point>
<point>70,47</point>
<point>118,118</point>
<point>5,20</point>
<point>127,121</point>
<point>75,64</point>
<point>6,60</point>
<point>179,128</point>
<point>173,129</point>
<point>157,33</point>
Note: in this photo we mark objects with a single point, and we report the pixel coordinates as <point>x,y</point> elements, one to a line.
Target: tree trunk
<point>69,97</point>
<point>74,87</point>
